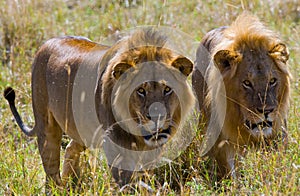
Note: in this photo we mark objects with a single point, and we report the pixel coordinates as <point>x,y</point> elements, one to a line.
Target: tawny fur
<point>227,57</point>
<point>54,76</point>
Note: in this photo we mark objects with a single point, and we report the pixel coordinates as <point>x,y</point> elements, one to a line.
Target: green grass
<point>26,24</point>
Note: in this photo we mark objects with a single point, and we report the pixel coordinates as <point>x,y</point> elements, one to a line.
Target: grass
<point>26,24</point>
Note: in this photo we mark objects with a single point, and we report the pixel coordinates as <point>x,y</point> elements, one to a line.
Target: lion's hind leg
<point>71,162</point>
<point>49,142</point>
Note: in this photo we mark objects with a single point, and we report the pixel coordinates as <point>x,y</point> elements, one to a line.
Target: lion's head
<point>252,61</point>
<point>146,87</point>
<point>257,83</point>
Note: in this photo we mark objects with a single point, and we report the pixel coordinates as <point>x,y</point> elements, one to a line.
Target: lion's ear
<point>227,60</point>
<point>183,64</point>
<point>280,52</point>
<point>119,69</point>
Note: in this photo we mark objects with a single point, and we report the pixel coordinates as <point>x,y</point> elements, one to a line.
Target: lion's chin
<point>158,138</point>
<point>260,129</point>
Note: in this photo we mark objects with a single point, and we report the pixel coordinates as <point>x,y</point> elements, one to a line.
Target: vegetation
<point>26,24</point>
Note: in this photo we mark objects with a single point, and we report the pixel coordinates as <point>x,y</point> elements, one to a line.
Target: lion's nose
<point>265,110</point>
<point>153,117</point>
<point>156,111</point>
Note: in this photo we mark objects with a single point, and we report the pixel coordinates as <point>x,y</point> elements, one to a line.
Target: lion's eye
<point>247,84</point>
<point>141,92</point>
<point>167,91</point>
<point>273,82</point>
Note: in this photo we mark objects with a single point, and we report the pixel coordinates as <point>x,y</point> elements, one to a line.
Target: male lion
<point>241,79</point>
<point>70,73</point>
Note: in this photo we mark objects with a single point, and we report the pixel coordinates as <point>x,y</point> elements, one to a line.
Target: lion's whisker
<point>252,112</point>
<point>122,121</point>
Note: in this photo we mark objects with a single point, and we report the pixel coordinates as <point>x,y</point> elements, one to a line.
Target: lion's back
<point>54,72</point>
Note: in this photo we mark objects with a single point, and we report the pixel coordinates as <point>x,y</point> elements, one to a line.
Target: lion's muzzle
<point>156,138</point>
<point>263,128</point>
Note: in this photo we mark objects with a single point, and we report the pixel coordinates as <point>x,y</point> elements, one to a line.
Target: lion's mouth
<point>157,138</point>
<point>263,128</point>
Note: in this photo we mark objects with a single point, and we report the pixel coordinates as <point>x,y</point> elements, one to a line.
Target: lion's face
<point>156,109</point>
<point>260,93</point>
<point>258,88</point>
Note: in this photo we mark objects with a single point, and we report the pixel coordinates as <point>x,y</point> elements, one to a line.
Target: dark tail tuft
<point>9,94</point>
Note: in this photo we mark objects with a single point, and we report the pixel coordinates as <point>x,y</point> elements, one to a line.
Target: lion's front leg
<point>71,162</point>
<point>121,176</point>
<point>226,158</point>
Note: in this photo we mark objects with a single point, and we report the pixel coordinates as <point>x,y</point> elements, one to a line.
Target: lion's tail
<point>10,96</point>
